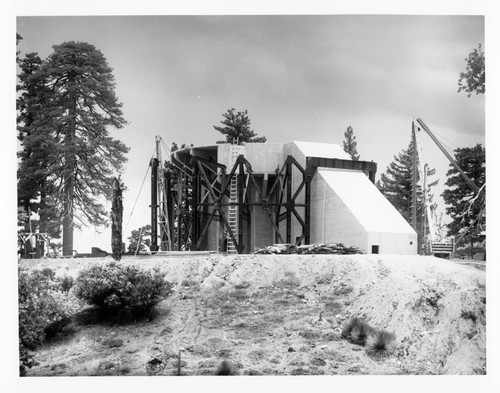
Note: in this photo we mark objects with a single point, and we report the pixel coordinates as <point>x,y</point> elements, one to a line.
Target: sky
<point>300,77</point>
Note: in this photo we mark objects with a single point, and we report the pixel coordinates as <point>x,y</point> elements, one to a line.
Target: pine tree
<point>34,186</point>
<point>237,128</point>
<point>350,144</point>
<point>396,185</point>
<point>464,204</point>
<point>75,104</point>
<point>140,236</point>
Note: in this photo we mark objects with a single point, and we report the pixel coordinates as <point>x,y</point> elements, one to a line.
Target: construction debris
<point>319,248</point>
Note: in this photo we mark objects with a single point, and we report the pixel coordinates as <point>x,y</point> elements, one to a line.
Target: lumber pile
<point>320,248</point>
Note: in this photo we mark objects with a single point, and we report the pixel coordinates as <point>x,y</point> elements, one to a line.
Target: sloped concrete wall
<point>348,208</point>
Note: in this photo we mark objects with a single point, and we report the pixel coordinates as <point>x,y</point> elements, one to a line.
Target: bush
<point>115,287</point>
<point>65,283</point>
<point>49,273</point>
<point>44,309</point>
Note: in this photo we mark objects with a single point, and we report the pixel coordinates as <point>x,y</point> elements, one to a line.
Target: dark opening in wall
<point>375,249</point>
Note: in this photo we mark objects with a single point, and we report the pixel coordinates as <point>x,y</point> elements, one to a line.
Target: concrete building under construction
<point>238,198</point>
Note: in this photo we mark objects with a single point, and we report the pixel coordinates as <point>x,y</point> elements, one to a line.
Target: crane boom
<point>452,160</point>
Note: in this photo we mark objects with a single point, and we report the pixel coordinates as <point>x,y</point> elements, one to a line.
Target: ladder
<point>233,211</point>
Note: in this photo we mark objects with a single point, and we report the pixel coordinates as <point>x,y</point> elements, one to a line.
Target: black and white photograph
<point>287,197</point>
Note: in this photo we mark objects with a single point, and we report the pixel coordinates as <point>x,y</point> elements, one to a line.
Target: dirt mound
<point>283,314</point>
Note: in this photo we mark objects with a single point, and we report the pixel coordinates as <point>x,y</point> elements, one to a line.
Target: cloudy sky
<point>300,78</point>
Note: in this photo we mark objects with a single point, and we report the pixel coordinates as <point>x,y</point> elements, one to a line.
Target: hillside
<point>283,315</point>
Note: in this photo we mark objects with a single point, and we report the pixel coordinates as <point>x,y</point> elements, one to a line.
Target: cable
<point>447,147</point>
<point>450,142</point>
<point>450,150</point>
<point>165,145</point>
<point>139,193</point>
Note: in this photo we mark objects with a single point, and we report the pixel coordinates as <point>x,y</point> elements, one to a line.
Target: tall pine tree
<point>396,185</point>
<point>236,128</point>
<point>76,106</point>
<point>36,159</point>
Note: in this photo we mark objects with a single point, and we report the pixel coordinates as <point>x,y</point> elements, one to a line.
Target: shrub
<point>43,311</point>
<point>380,344</point>
<point>225,368</point>
<point>49,273</point>
<point>116,287</point>
<point>65,283</point>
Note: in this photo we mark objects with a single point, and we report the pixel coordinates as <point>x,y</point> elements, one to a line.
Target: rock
<point>318,362</point>
<point>154,366</point>
<point>354,369</point>
<point>290,349</point>
<point>213,283</point>
<point>112,342</point>
<point>59,365</point>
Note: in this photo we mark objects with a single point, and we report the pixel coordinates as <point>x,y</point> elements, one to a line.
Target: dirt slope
<point>282,315</point>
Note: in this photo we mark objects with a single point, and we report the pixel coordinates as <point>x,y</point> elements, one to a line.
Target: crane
<point>159,203</point>
<point>435,243</point>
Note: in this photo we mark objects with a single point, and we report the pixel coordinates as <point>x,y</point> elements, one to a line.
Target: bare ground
<point>283,315</point>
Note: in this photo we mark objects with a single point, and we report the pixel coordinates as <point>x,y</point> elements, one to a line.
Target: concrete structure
<point>347,207</point>
<point>245,197</point>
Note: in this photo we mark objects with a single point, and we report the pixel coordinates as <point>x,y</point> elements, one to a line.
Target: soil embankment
<point>283,315</point>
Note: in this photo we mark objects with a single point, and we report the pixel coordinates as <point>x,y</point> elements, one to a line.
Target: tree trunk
<point>69,184</point>
<point>116,220</point>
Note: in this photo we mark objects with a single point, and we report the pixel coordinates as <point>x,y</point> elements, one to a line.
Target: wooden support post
<point>288,201</point>
<point>170,207</point>
<point>307,213</point>
<point>241,184</point>
<point>196,191</point>
<point>178,213</point>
